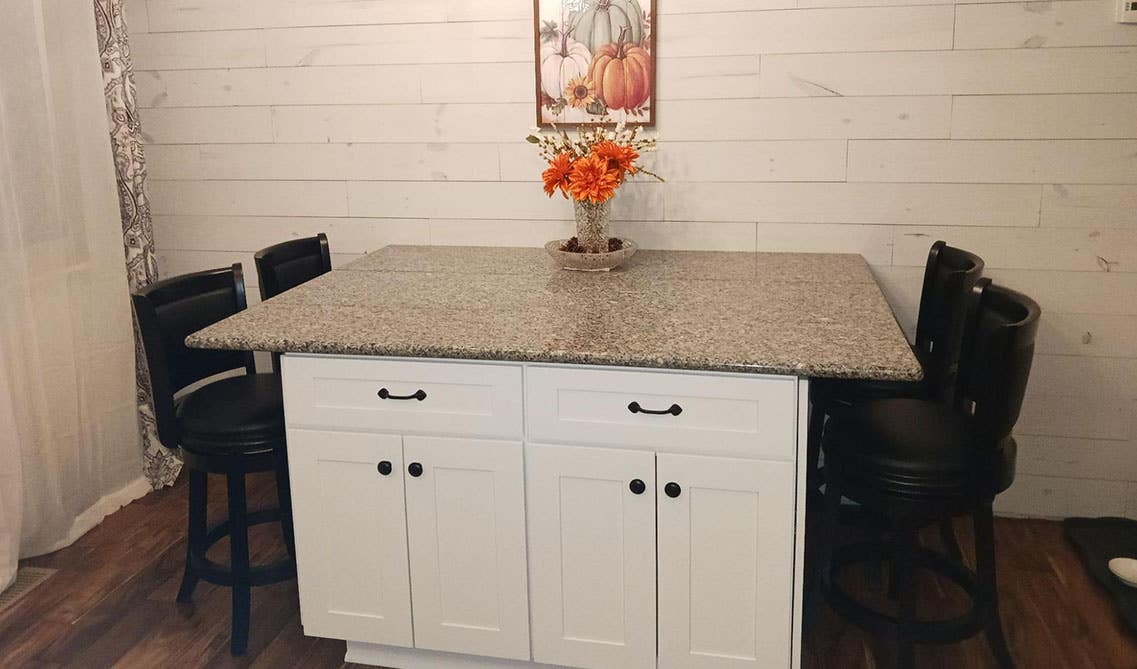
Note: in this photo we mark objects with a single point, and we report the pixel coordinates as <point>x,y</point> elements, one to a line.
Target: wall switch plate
<point>1127,11</point>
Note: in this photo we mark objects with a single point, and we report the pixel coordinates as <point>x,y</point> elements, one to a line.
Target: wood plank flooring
<point>112,604</point>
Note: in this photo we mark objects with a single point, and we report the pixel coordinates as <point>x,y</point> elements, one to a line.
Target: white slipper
<point>1125,569</point>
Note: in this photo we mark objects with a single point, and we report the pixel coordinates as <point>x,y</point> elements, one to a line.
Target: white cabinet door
<point>351,541</point>
<point>592,556</point>
<point>466,533</point>
<point>725,562</point>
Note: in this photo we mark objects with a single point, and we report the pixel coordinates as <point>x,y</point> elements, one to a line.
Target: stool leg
<point>284,501</point>
<point>878,529</point>
<point>903,578</point>
<point>196,530</point>
<point>821,568</point>
<point>239,562</point>
<point>893,579</point>
<point>829,523</point>
<point>988,586</point>
<point>813,450</point>
<point>947,538</point>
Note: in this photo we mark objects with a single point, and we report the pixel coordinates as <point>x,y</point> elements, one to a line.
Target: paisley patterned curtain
<point>160,465</point>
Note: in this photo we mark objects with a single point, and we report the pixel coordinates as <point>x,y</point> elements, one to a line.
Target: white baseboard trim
<point>393,657</point>
<point>94,514</point>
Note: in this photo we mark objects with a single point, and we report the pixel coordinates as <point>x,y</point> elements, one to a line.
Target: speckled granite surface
<point>817,315</point>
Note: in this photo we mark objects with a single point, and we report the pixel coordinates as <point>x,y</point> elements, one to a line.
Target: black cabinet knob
<point>672,489</point>
<point>637,487</point>
<point>385,467</point>
<point>415,469</point>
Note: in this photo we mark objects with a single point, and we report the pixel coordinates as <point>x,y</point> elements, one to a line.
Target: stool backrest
<point>170,310</point>
<point>286,265</point>
<point>948,278</point>
<point>996,359</point>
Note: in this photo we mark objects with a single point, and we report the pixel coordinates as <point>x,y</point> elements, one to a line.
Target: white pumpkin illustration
<point>562,61</point>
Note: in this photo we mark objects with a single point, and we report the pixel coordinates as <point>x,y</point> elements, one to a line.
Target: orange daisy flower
<point>557,176</point>
<point>592,180</point>
<point>621,158</point>
<point>580,92</point>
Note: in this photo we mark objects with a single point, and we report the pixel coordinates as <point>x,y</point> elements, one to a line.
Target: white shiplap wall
<point>869,126</point>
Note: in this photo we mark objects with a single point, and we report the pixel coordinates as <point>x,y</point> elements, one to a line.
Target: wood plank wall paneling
<point>864,126</point>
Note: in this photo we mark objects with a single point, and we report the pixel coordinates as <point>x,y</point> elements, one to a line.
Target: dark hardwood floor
<point>112,604</point>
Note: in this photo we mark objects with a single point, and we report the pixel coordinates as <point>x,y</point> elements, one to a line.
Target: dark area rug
<point>1099,540</point>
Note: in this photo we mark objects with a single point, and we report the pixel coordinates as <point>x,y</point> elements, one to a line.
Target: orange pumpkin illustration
<point>622,73</point>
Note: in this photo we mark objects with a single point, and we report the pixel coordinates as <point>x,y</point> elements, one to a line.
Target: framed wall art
<point>595,61</point>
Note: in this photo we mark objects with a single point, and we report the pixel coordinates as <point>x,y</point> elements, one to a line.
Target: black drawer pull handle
<point>385,394</point>
<point>415,469</point>
<point>673,489</point>
<point>637,486</point>
<point>385,467</point>
<point>674,410</point>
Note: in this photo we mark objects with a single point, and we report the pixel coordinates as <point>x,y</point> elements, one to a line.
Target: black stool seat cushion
<point>235,415</point>
<point>914,448</point>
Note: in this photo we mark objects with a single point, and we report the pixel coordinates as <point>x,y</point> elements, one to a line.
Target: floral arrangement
<point>591,167</point>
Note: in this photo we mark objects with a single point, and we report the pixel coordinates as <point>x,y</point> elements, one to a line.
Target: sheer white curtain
<point>69,442</point>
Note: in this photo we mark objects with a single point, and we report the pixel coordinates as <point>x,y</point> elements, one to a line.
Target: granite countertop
<point>815,315</point>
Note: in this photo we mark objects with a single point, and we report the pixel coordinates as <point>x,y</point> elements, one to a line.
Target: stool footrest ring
<point>219,574</point>
<point>940,631</point>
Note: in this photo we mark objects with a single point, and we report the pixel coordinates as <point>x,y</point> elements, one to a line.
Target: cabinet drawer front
<point>378,394</point>
<point>725,415</point>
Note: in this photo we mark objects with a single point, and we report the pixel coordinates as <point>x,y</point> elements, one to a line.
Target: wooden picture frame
<point>603,67</point>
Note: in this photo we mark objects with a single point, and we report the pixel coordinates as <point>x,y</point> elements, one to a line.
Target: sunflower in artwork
<point>592,179</point>
<point>580,92</point>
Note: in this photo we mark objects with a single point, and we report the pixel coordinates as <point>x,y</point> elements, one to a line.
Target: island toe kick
<point>497,514</point>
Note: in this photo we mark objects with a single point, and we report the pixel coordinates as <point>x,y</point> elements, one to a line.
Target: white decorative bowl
<point>590,262</point>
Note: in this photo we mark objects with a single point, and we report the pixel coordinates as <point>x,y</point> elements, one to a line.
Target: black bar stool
<point>284,266</point>
<point>915,462</point>
<point>949,275</point>
<point>233,426</point>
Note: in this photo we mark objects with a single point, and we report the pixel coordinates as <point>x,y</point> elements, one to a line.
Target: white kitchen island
<point>495,463</point>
